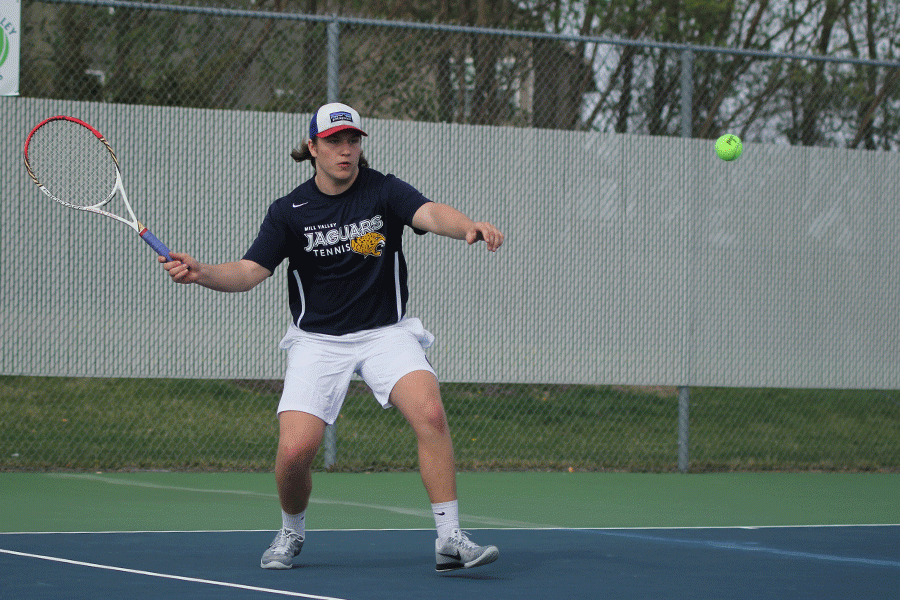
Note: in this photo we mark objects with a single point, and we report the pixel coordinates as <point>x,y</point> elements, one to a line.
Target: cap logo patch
<point>341,116</point>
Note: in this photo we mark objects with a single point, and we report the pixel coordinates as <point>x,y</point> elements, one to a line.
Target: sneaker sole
<point>275,565</point>
<point>488,557</point>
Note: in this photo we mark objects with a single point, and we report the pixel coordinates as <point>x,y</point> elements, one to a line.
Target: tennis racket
<point>72,162</point>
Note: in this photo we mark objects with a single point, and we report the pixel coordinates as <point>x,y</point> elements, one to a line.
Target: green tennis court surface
<point>561,535</point>
<point>227,501</point>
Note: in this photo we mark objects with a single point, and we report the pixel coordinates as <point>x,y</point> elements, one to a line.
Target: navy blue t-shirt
<point>346,270</point>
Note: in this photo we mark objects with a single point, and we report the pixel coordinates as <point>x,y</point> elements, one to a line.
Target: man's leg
<point>299,437</point>
<point>417,395</point>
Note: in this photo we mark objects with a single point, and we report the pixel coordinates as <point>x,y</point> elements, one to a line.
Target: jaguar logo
<point>370,244</point>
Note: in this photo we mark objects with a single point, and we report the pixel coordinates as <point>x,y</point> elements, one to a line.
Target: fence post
<point>687,93</point>
<point>329,440</point>
<point>684,394</point>
<point>333,85</point>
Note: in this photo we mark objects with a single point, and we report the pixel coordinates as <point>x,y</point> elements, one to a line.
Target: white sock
<point>446,517</point>
<point>294,522</point>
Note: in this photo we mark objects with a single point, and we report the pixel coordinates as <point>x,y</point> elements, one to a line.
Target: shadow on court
<point>819,563</point>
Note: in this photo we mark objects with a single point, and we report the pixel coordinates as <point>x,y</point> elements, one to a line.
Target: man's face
<point>337,156</point>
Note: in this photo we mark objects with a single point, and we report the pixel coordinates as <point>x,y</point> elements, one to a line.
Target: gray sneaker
<point>281,552</point>
<point>459,552</point>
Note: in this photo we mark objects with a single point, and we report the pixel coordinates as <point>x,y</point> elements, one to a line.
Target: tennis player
<point>341,234</point>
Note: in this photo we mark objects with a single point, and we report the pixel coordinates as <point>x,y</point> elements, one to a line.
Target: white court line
<point>750,547</point>
<point>167,576</point>
<point>584,529</point>
<point>690,527</point>
<point>425,514</point>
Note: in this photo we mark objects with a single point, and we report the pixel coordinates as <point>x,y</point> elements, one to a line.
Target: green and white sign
<point>10,32</point>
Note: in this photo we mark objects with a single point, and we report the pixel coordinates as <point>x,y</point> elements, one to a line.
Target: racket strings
<point>72,164</point>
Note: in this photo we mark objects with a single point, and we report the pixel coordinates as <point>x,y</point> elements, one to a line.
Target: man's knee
<point>300,435</point>
<point>434,416</point>
<point>417,395</point>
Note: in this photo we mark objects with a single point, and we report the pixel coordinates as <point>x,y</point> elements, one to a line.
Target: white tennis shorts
<point>319,366</point>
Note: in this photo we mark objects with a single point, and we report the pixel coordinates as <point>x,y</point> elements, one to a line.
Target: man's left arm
<point>445,220</point>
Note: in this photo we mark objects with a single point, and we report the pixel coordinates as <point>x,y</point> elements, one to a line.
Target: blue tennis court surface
<point>818,563</point>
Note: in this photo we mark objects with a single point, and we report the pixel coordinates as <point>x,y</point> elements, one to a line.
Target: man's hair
<point>302,153</point>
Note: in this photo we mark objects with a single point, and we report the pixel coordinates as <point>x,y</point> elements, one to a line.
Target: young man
<point>341,233</point>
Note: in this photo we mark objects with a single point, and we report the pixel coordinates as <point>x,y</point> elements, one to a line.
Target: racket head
<point>71,162</point>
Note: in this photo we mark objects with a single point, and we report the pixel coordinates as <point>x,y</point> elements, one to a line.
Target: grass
<point>82,424</point>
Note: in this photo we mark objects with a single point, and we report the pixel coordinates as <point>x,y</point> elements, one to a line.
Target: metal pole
<point>333,86</point>
<point>329,446</point>
<point>687,93</point>
<point>329,439</point>
<point>684,395</point>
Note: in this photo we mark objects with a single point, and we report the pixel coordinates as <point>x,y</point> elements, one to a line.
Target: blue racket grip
<point>154,243</point>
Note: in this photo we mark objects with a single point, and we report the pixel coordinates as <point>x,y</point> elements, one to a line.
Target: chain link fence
<point>229,58</point>
<point>105,424</point>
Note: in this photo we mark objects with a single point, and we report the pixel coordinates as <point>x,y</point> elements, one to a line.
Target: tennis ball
<point>729,147</point>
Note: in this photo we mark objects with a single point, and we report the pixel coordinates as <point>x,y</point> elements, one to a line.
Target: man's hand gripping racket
<point>72,163</point>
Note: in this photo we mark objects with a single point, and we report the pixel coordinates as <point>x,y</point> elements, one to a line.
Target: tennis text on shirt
<point>329,239</point>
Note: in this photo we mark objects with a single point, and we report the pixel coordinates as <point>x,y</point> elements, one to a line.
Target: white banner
<point>10,32</point>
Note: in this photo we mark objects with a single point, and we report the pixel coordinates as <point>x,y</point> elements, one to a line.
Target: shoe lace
<point>285,538</point>
<point>460,538</point>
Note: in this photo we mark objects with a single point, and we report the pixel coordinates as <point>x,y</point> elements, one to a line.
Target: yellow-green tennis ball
<point>729,147</point>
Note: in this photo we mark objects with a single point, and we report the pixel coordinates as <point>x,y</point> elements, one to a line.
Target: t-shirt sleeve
<point>271,244</point>
<point>404,200</point>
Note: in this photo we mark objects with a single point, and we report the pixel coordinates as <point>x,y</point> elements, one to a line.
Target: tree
<point>72,74</point>
<point>158,57</point>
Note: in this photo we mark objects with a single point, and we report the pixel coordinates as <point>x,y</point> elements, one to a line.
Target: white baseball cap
<point>332,118</point>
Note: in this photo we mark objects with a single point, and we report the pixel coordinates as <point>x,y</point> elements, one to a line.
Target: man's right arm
<point>238,276</point>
